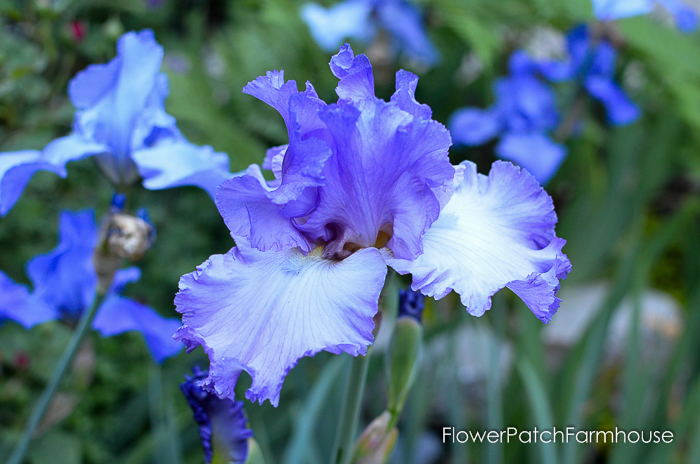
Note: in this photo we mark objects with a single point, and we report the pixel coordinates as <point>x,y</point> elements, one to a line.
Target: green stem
<point>349,414</point>
<point>55,382</point>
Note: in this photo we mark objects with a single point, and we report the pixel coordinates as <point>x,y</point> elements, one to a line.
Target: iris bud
<point>376,441</point>
<point>405,350</point>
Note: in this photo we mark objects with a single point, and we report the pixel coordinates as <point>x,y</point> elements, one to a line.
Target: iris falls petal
<point>496,231</point>
<point>260,312</point>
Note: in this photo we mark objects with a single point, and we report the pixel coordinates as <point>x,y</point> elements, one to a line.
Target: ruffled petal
<point>348,19</point>
<point>355,74</point>
<point>65,277</point>
<point>404,22</point>
<point>405,96</point>
<point>474,126</point>
<point>274,157</point>
<point>496,231</point>
<point>119,314</point>
<point>272,90</point>
<point>261,312</point>
<point>174,163</point>
<point>249,213</point>
<point>535,152</point>
<point>17,304</point>
<point>376,180</point>
<point>619,108</point>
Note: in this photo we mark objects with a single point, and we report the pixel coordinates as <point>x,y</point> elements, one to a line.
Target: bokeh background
<point>623,350</point>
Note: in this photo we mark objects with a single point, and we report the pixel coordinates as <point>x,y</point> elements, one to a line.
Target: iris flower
<point>222,422</point>
<point>524,112</point>
<point>360,19</point>
<point>121,121</point>
<point>593,64</point>
<point>608,10</point>
<point>362,184</point>
<point>65,281</point>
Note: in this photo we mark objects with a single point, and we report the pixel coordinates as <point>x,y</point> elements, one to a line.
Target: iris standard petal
<point>474,126</point>
<point>496,231</point>
<point>347,19</point>
<point>17,304</point>
<point>65,277</point>
<point>355,74</point>
<point>405,95</point>
<point>383,160</point>
<point>249,213</point>
<point>119,314</point>
<point>174,163</point>
<point>404,22</point>
<point>619,108</point>
<point>262,311</point>
<point>534,151</point>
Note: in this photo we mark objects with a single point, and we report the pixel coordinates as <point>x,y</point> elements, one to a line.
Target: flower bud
<point>376,442</point>
<point>405,350</point>
<point>122,236</point>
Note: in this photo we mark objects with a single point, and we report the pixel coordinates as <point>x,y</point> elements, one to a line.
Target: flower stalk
<point>345,438</point>
<point>56,378</point>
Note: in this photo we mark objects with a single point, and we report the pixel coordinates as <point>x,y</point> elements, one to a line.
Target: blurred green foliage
<point>627,199</point>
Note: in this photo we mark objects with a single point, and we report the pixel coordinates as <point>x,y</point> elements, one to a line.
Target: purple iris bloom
<point>609,10</point>
<point>121,120</point>
<point>360,19</point>
<point>524,112</point>
<point>65,281</point>
<point>362,184</point>
<point>222,422</point>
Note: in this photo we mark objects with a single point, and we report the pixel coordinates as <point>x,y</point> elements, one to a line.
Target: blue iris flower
<point>360,19</point>
<point>525,108</point>
<point>593,64</point>
<point>608,10</point>
<point>65,281</point>
<point>121,121</point>
<point>222,422</point>
<point>524,112</point>
<point>362,184</point>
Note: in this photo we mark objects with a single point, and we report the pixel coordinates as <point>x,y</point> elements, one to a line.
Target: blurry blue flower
<point>608,10</point>
<point>593,64</point>
<point>358,19</point>
<point>64,283</point>
<point>362,184</point>
<point>524,112</point>
<point>121,120</point>
<point>222,422</point>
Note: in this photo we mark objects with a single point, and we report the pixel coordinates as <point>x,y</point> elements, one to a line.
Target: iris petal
<point>17,304</point>
<point>496,231</point>
<point>383,160</point>
<point>65,277</point>
<point>535,152</point>
<point>119,314</point>
<point>262,311</point>
<point>174,163</point>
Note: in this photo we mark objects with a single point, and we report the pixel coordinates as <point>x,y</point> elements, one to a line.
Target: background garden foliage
<point>622,351</point>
